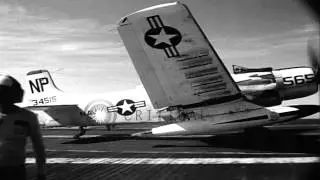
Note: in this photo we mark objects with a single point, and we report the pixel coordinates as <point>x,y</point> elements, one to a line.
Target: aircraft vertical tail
<point>41,89</point>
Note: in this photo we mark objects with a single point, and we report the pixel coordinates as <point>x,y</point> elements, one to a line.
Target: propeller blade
<point>314,53</point>
<point>313,5</point>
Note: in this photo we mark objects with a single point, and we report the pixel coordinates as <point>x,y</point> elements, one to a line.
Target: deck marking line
<point>260,160</point>
<point>164,152</point>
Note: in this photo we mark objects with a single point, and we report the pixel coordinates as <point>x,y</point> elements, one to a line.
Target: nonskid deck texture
<point>115,155</point>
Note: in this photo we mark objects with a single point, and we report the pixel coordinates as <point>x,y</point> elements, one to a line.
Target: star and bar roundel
<point>126,107</point>
<point>163,37</point>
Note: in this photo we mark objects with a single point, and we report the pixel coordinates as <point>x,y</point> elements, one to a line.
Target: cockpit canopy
<point>239,69</point>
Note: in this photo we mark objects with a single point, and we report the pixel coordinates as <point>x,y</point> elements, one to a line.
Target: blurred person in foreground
<point>16,124</point>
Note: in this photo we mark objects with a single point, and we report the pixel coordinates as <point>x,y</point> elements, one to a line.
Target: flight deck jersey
<point>15,127</point>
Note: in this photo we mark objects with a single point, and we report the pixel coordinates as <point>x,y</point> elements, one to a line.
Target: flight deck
<point>103,154</point>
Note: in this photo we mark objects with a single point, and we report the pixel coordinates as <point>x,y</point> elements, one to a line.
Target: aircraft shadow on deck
<point>284,143</point>
<point>119,137</point>
<point>271,141</point>
<point>281,142</point>
<point>99,139</point>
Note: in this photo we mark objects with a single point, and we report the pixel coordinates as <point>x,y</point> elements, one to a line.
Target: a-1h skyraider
<point>183,74</point>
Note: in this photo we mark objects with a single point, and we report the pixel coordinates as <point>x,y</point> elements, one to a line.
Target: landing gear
<point>110,127</point>
<point>81,133</point>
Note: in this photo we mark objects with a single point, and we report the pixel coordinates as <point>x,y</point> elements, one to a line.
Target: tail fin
<point>41,89</point>
<point>175,61</point>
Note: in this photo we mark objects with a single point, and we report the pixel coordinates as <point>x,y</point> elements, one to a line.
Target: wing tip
<point>124,20</point>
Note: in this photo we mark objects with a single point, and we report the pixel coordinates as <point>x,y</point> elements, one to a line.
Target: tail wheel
<point>83,131</point>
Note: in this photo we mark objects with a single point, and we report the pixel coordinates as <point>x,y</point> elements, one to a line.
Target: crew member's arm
<point>38,145</point>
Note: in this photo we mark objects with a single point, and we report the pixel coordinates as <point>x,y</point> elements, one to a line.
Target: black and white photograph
<point>159,89</point>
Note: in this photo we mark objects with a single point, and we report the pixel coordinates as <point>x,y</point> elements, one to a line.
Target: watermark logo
<point>97,111</point>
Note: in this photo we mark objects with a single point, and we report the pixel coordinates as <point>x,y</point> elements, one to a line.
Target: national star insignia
<point>163,37</point>
<point>125,107</point>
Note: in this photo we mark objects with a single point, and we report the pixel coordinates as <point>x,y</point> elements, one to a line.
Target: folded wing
<point>174,59</point>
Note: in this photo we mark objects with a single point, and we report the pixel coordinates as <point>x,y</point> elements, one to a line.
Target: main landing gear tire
<point>81,133</point>
<point>110,127</point>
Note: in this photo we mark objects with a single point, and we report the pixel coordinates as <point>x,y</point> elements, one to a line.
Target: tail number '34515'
<point>297,80</point>
<point>42,101</point>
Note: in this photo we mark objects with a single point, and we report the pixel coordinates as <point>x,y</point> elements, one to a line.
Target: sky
<point>77,39</point>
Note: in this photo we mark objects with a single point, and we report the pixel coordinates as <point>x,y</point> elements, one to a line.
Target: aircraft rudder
<point>40,81</point>
<point>41,89</point>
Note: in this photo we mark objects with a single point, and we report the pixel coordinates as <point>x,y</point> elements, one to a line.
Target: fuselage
<point>131,106</point>
<point>270,88</point>
<point>267,88</point>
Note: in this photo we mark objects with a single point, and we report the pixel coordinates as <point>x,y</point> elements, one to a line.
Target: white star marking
<point>125,107</point>
<point>162,37</point>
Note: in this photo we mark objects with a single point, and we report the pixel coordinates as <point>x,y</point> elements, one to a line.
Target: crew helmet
<point>10,90</point>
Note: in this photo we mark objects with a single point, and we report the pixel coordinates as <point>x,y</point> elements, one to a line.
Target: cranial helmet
<point>10,90</point>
